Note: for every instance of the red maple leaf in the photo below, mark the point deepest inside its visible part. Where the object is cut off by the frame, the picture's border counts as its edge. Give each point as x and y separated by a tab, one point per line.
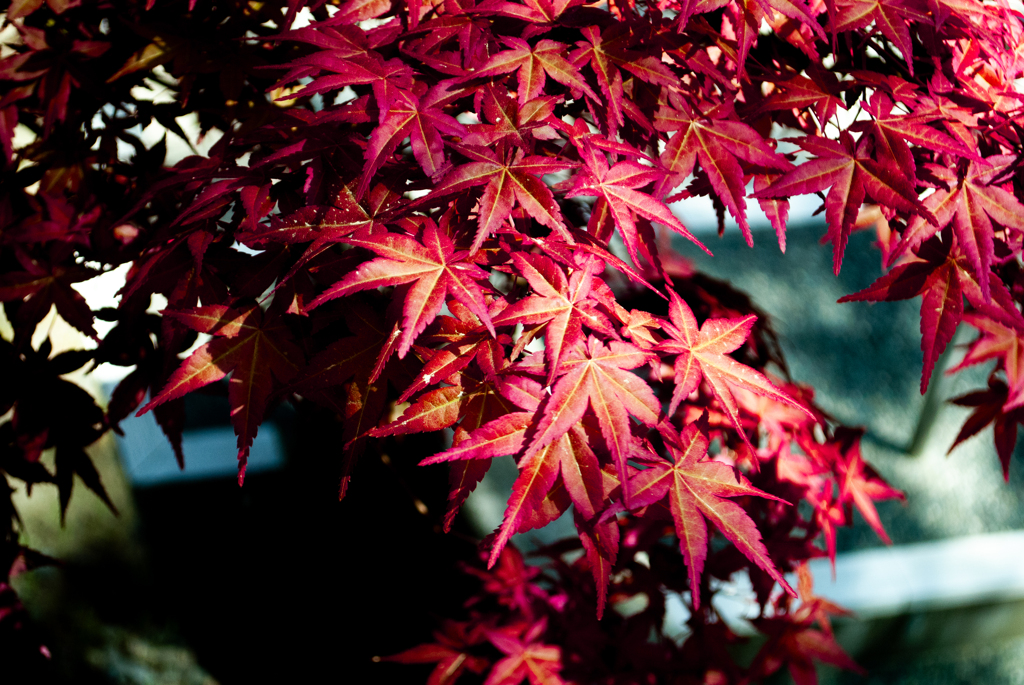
971	202
890	18
255	348
617	186
507	183
526	657
323	225
703	353
893	130
793	640
598	376
606	52
941	275
562	305
450	651
351	376
989	407
697	490
749	14
568	457
482	397
434	268
421	119
473	397
521	123
795	91
464	341
851	175
532	63
719	143
41	286
859	484
997	341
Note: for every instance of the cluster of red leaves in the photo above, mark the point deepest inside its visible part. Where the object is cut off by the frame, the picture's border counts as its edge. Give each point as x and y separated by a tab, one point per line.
408	196
536	624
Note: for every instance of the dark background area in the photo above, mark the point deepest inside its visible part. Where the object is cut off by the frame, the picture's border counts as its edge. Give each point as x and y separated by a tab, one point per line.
272	581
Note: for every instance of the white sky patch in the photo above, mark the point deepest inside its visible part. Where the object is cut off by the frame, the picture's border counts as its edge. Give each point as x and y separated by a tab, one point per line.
303	18
344	95
102	292
369	24
153	91
23	136
8	36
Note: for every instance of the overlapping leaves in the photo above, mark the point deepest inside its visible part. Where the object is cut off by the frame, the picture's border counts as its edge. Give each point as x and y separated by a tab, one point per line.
428	192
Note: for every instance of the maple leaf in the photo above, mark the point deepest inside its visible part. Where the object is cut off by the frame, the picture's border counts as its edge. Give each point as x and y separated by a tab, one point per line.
850	175
533	11
971	203
775	209
859	484
351	375
606	51
989	408
563	305
532	63
751	13
797	91
816	478
434	268
450	652
959	121
511	582
474	398
697	491
347	63
793	640
434	410
617	187
888	17
702	353
600	541
892	131
597	375
463	341
323	225
526	657
1001	342
942	277
363	354
422	120
42	286
255	348
65	224
49	411
638	326
522	123
568	456
481	398
718	143
506	184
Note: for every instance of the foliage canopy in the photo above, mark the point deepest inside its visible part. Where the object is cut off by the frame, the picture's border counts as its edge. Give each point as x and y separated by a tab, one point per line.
406	198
